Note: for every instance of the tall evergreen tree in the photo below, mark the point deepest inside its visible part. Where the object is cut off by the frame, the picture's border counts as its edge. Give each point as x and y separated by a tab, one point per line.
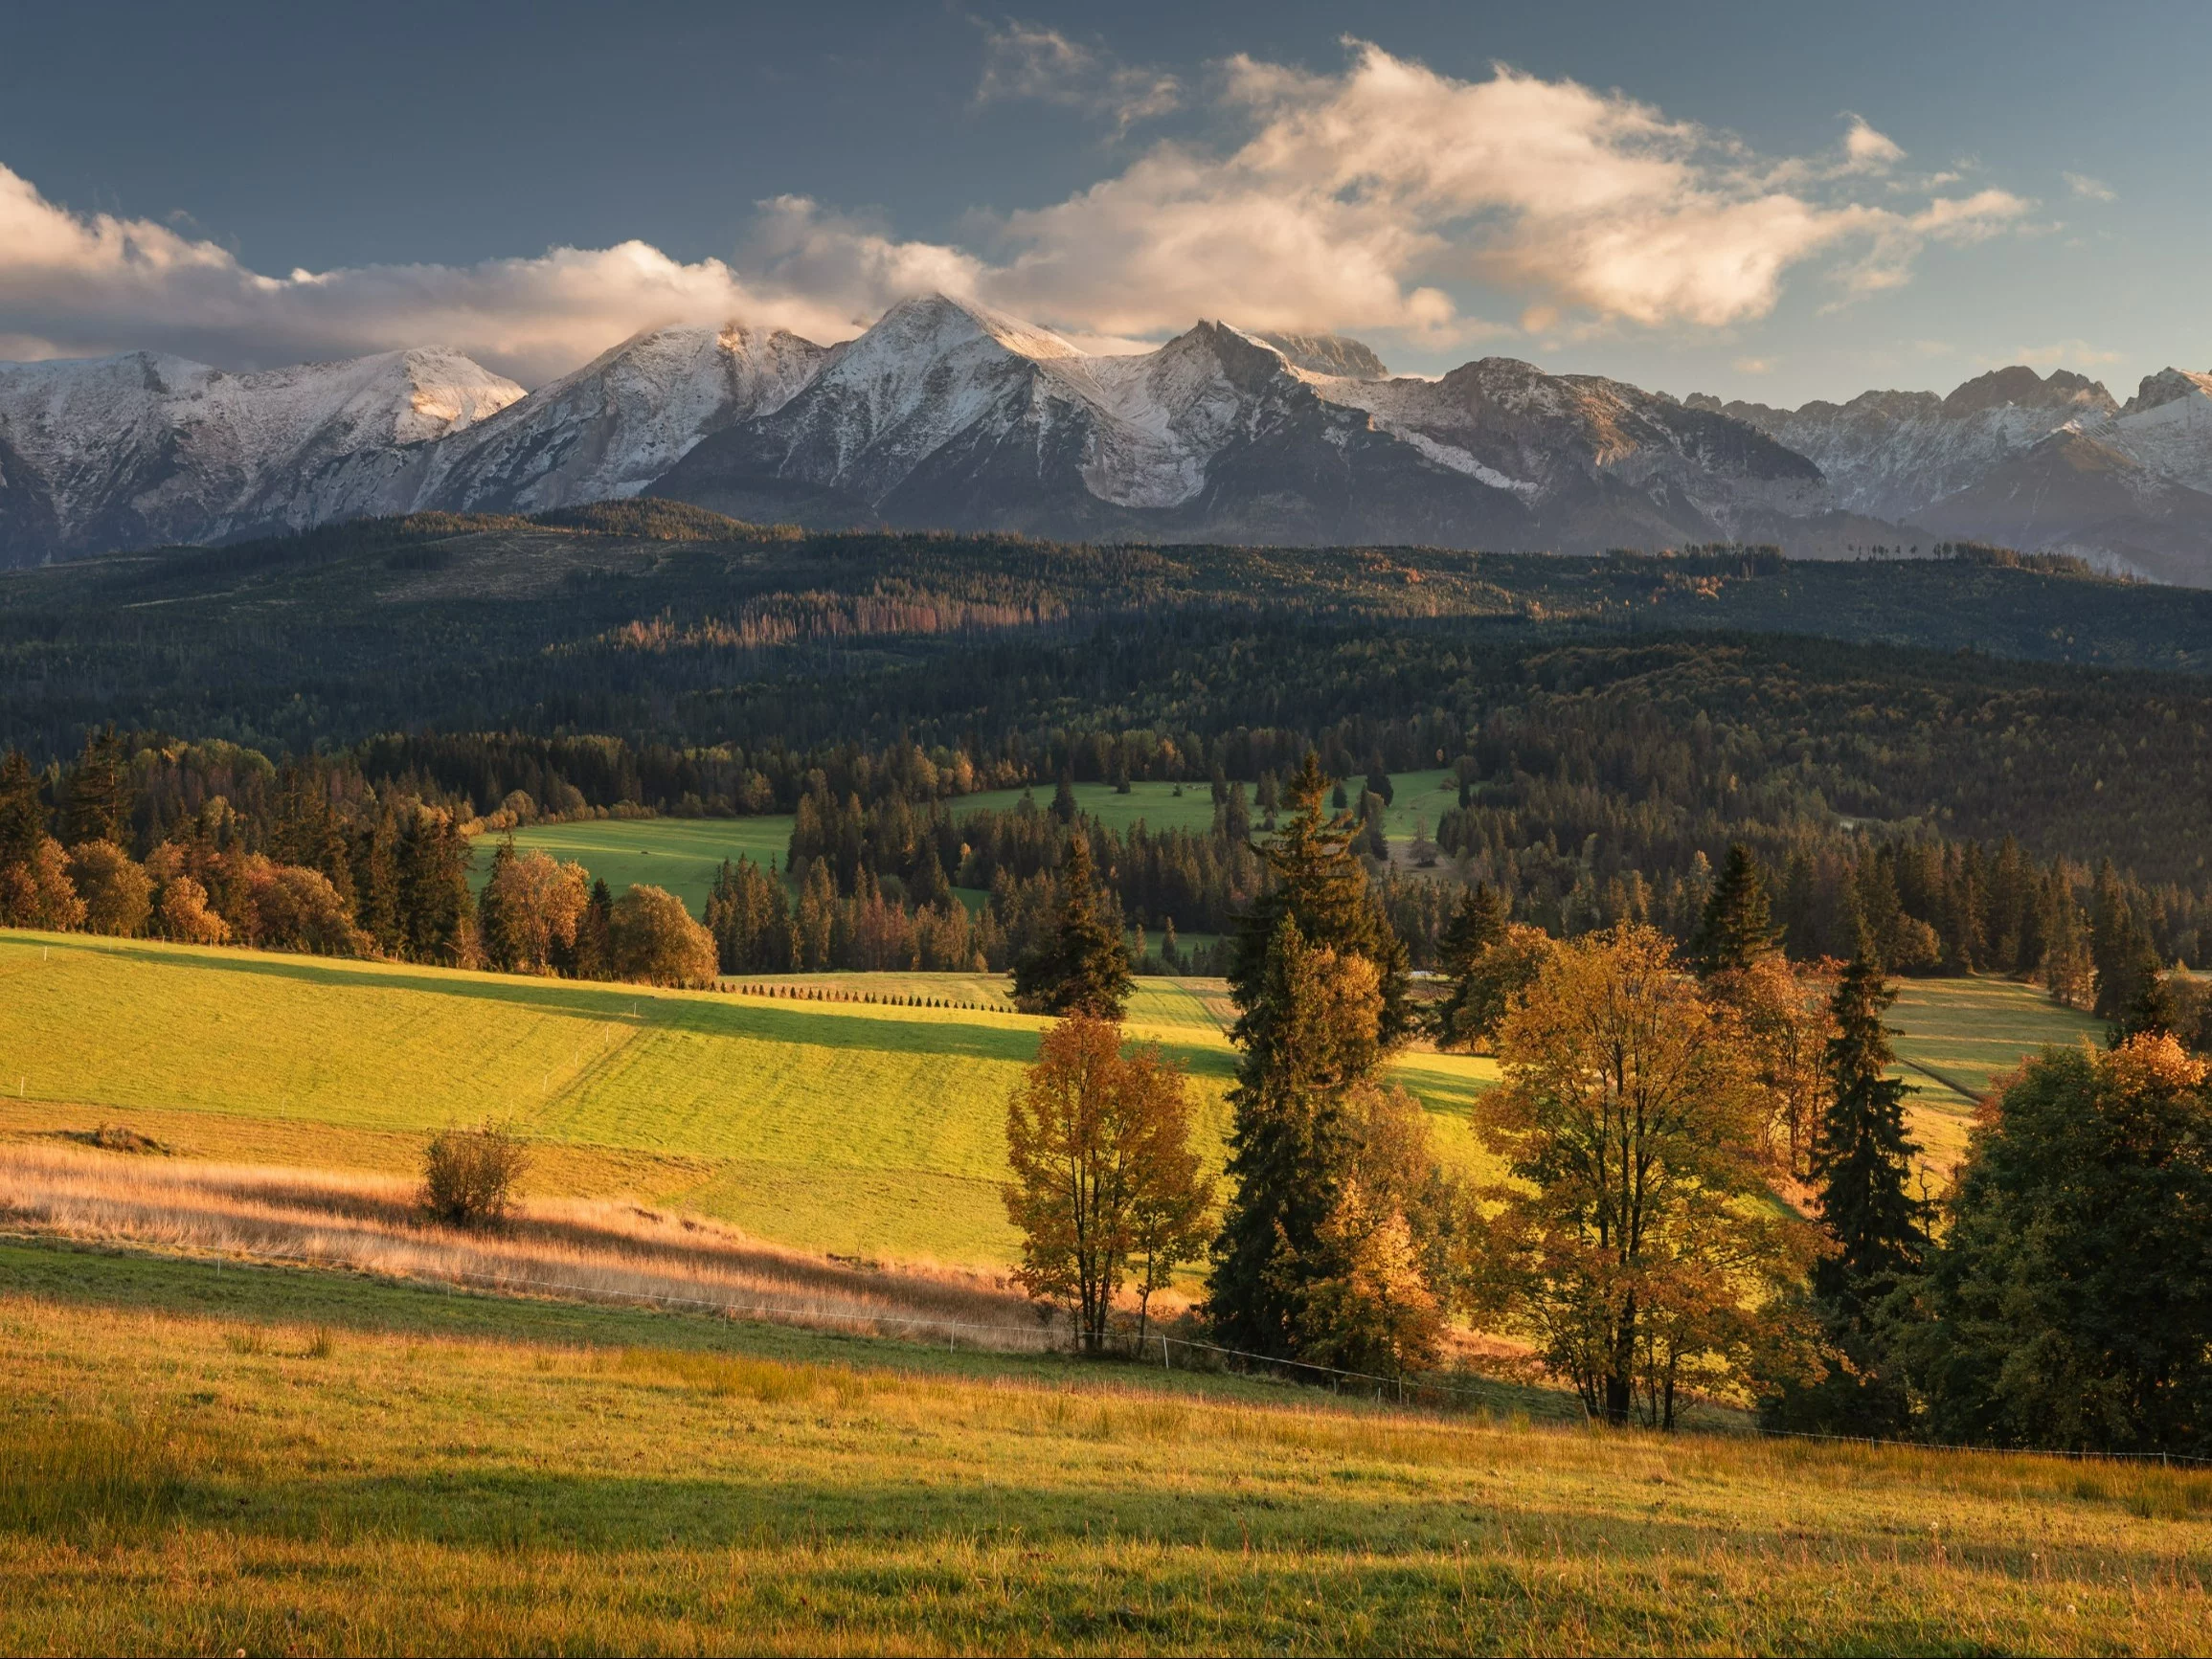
1476	924
99	796
2147	1009
1309	1044
22	816
1862	1160
1320	884
1738	927
1319	982
1083	967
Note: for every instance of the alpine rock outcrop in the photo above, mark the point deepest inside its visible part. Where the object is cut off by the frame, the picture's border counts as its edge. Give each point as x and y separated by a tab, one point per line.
946	415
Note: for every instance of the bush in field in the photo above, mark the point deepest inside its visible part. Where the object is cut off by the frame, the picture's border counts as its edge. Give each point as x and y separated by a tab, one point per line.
654	940
118	894
469	1174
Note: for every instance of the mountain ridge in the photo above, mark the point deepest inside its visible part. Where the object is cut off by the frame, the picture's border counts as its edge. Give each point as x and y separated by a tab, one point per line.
949	414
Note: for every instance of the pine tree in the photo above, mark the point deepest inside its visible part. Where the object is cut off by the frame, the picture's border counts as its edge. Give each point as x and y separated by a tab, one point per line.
22	816
1084	967
497	931
1862	1160
1476	924
1311	1041
1319	982
98	792
2148	1009
1738	927
1318	884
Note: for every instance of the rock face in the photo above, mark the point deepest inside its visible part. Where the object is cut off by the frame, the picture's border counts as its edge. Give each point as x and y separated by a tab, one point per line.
2037	462
946	415
145	448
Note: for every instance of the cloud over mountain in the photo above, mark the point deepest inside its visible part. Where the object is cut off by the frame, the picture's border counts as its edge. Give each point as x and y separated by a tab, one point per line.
1383	196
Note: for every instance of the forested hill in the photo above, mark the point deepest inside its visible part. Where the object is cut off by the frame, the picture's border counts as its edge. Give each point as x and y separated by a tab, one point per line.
661	622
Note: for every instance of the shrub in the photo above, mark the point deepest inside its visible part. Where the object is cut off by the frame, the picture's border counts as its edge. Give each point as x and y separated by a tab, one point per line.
469	1174
654	940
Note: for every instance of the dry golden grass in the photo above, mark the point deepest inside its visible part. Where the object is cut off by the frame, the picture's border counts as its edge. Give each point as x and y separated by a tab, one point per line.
172	1482
586	1249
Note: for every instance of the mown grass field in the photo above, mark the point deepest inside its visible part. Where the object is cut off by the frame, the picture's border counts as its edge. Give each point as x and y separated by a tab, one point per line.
1956	1035
282	1460
683	853
861	1128
679	854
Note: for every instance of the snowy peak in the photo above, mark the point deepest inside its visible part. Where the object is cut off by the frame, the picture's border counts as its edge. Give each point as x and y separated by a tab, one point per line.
2167	386
1329	354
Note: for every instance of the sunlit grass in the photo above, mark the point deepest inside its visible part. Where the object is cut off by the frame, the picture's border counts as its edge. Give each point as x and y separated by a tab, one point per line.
316	1481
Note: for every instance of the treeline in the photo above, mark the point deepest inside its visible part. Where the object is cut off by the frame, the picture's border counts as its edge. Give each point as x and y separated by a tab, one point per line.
313	858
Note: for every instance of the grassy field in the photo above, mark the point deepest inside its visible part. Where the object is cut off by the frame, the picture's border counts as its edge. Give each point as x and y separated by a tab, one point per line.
278	1460
1955	1034
683	853
679	854
859	1127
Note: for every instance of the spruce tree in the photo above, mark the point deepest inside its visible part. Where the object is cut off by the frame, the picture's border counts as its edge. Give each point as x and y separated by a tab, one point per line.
1319	882
22	816
1476	924
98	792
1738	927
1084	967
1291	1143
1862	1160
2148	1006
1319	982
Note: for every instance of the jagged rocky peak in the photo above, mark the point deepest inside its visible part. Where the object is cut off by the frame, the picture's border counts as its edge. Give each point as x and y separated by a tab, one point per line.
2167	386
1331	355
2022	388
938	323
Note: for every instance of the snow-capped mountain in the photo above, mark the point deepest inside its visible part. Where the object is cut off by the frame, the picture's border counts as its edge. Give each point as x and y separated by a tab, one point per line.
946	414
2038	462
145	448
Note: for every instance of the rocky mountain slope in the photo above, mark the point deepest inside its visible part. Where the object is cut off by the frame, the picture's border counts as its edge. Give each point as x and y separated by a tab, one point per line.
947	414
2038	462
145	448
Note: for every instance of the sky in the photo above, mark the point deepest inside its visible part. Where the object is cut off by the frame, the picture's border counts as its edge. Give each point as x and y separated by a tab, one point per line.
1776	201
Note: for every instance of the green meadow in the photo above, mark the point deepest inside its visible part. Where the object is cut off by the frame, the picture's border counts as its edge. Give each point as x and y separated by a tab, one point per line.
284	1460
862	1125
1954	1035
683	853
870	1128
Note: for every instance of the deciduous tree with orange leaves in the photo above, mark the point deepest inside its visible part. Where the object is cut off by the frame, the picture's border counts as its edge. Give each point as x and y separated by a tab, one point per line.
1098	1140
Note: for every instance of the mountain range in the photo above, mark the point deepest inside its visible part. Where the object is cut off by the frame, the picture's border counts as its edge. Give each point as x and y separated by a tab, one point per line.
947	414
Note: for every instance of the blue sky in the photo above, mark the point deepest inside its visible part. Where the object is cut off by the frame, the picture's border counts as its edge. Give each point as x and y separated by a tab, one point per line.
1775	201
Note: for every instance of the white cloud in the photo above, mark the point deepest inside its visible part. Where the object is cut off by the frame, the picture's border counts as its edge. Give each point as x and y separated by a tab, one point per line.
74	284
1023	60
2088	188
1754	366
1868	150
1386	197
2058	354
